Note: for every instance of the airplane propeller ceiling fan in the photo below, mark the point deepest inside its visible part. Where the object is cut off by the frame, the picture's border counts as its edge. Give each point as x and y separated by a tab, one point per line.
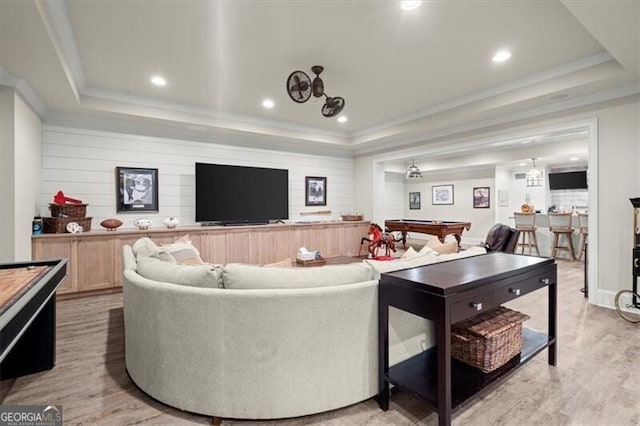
300	88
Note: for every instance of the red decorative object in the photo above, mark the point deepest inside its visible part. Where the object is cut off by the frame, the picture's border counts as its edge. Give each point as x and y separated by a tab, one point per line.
111	224
60	198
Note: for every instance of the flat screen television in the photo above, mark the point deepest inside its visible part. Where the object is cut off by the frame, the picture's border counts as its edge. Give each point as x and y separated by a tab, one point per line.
568	180
238	194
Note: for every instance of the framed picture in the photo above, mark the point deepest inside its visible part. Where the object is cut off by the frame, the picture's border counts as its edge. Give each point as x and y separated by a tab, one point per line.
481	197
414	201
503	198
136	189
315	191
442	194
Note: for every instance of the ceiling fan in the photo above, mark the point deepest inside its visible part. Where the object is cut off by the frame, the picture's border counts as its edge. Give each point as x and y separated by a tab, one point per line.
300	87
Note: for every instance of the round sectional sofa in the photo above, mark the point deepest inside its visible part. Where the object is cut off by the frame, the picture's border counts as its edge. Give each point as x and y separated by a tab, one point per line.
251	342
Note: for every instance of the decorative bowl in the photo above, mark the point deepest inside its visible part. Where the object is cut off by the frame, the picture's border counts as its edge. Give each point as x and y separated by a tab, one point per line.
111	224
171	222
143	223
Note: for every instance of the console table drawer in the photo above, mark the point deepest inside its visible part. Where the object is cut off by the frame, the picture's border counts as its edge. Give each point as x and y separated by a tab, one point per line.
482	302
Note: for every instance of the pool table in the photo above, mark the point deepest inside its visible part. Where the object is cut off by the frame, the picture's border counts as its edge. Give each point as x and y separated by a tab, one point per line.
432	227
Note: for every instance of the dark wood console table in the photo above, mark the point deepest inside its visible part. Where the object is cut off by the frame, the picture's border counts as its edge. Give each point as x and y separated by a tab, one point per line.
446	293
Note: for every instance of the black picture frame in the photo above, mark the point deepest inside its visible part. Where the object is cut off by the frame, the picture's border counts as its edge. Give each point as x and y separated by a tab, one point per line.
315	191
442	195
481	197
136	189
414	201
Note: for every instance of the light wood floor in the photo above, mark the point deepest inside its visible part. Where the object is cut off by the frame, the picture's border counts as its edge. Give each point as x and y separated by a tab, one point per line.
596	382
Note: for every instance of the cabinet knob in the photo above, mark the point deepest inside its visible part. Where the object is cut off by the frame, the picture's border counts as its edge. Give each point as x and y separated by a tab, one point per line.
515	291
478	306
545	281
635	262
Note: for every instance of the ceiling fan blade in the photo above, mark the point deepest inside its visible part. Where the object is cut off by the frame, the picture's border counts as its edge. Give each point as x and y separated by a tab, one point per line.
333	106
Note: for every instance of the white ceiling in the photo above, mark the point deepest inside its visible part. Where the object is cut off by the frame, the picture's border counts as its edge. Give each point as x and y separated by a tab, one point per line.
405	76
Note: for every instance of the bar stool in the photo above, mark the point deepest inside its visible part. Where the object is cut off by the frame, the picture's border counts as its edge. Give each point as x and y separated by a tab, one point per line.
560	224
526	224
583	219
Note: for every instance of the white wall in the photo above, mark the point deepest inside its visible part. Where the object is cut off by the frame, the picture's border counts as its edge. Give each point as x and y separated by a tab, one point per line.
617	161
394	196
28	176
20	162
482	219
7	181
82	164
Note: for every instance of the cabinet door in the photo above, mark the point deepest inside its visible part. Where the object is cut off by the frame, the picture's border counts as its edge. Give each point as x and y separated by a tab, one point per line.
239	246
213	246
96	262
350	237
58	248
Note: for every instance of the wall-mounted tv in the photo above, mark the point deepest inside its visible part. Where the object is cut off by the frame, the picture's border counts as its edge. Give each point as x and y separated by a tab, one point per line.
568	180
237	194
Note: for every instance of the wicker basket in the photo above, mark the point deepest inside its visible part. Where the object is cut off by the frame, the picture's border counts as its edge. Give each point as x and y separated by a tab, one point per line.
58	225
488	340
68	210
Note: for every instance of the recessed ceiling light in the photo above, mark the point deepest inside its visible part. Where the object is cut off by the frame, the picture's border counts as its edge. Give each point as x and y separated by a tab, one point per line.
522	164
501	56
158	81
268	103
573	159
410	5
342	119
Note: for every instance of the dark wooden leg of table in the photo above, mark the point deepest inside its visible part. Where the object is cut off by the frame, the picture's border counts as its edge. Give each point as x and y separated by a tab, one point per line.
441	236
443	341
404	238
553	320
383	353
458	239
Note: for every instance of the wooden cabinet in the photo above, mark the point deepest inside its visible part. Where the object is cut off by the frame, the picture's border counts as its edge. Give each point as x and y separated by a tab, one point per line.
95	258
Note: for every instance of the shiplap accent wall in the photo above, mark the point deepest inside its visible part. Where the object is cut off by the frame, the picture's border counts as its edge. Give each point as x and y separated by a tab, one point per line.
82	163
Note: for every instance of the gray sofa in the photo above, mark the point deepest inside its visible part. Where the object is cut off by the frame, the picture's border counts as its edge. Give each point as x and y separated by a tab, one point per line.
256	351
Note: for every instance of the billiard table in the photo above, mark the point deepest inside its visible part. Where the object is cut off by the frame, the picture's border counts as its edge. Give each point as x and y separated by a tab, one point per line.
432	227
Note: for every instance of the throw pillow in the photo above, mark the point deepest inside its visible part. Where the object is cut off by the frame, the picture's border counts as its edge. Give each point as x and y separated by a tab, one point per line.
409	253
284	263
428	250
450	247
181	252
144	247
190	275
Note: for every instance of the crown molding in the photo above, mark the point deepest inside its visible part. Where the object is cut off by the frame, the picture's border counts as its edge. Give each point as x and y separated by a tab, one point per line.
582	64
631	89
25	91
